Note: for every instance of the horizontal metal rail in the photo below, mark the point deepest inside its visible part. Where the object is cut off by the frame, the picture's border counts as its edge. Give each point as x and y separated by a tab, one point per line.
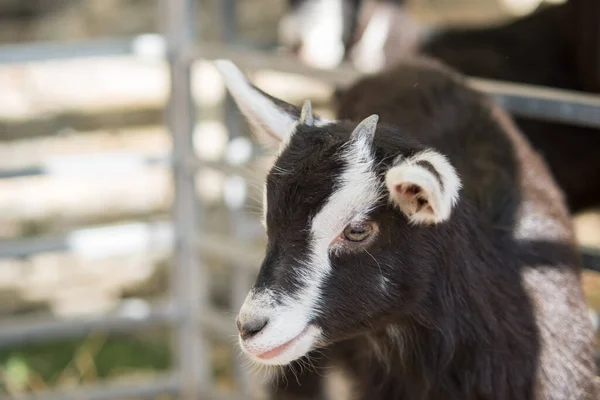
250	59
525	100
241	254
128	238
543	103
110	163
150	45
590	258
103	241
147	389
132	315
96	163
146	45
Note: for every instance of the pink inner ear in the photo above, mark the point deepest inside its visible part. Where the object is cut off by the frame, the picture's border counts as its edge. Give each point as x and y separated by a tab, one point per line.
408	189
415	196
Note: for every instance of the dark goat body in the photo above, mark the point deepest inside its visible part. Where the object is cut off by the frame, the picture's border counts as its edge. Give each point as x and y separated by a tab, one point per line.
537	50
486	306
558	46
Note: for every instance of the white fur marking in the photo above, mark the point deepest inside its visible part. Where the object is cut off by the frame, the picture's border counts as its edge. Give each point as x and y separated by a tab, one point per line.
358	192
441	198
322	37
259	110
368	54
285	323
537	223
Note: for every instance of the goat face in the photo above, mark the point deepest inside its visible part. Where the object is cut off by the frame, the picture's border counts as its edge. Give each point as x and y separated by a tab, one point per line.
344	213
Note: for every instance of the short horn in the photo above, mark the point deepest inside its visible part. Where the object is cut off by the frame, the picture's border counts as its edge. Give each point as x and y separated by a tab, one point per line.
366	127
306	116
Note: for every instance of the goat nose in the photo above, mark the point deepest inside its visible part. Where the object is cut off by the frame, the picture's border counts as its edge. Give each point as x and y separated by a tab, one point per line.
250	327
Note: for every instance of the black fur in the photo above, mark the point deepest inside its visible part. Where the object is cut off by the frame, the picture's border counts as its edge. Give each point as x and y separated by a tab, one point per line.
459	321
299	184
558	46
539	50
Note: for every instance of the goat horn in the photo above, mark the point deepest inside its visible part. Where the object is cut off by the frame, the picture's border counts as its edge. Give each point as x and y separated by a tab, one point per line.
366	127
306	116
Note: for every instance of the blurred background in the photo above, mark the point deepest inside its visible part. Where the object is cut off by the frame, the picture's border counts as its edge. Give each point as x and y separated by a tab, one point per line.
130	189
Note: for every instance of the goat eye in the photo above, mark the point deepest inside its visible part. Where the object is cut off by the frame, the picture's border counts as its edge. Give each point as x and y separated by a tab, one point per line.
358	232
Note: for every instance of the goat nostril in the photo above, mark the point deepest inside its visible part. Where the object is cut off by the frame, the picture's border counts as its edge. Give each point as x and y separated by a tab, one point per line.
252	327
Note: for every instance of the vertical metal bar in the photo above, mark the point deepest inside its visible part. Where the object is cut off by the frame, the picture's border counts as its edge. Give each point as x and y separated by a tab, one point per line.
239	228
229	22
237	222
189	279
242	281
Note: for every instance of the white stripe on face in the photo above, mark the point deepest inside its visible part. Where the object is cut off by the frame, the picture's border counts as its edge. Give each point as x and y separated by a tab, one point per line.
359	191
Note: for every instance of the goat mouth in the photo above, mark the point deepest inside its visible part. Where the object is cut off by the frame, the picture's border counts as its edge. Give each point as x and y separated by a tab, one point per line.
269	354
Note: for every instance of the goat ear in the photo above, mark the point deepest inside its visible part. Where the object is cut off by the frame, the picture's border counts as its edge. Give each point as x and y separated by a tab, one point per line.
424	187
272	120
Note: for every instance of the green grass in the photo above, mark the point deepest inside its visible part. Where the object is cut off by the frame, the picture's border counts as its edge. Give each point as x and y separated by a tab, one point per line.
80	361
69	363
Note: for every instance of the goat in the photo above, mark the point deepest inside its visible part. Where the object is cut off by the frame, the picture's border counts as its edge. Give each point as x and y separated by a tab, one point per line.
324	32
319	31
556	47
537	50
425	250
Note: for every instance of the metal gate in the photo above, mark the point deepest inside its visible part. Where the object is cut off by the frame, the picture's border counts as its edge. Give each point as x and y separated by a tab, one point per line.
187	311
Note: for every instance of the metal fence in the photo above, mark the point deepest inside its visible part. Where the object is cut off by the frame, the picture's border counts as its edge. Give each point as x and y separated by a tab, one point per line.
187	310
